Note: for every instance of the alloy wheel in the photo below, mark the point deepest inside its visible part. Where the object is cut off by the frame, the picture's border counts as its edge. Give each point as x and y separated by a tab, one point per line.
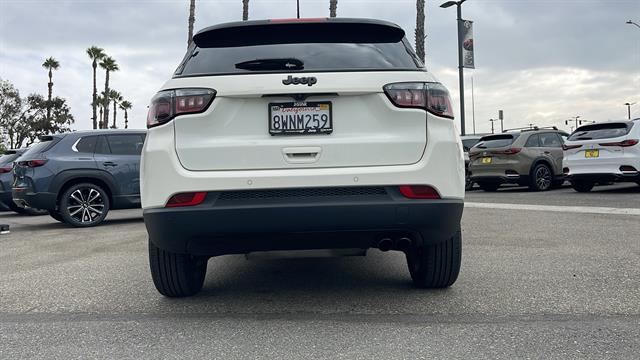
543	177
85	205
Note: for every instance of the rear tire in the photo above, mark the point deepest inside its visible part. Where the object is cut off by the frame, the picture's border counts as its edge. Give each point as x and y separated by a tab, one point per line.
489	186
468	185
437	265
541	178
176	275
582	186
84	205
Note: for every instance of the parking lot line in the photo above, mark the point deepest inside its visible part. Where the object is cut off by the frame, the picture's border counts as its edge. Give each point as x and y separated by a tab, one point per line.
563	209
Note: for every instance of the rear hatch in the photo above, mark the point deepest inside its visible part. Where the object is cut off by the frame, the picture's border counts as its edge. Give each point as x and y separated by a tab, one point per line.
25	165
494	150
299	94
599	141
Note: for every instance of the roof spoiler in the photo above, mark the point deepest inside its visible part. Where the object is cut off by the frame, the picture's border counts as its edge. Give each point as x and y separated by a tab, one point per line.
531	128
45	137
293	31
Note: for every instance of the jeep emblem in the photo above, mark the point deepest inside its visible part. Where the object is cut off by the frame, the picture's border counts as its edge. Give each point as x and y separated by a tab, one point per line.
300	80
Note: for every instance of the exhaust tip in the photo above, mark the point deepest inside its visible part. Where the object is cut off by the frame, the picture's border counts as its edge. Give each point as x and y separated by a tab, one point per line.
385	244
403	243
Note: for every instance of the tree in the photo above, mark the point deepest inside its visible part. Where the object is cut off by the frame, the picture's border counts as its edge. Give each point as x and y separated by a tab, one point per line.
50	64
126	106
95	54
100	104
23	120
333	8
116	97
192	19
420	29
245	10
109	65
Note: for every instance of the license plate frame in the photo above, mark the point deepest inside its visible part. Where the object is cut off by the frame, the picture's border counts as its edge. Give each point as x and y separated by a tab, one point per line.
592	153
486	160
325	128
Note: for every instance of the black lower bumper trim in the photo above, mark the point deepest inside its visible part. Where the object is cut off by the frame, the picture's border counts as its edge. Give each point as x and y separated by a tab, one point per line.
41	200
217	230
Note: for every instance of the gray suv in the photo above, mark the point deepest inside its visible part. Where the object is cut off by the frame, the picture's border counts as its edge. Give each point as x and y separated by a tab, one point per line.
78	177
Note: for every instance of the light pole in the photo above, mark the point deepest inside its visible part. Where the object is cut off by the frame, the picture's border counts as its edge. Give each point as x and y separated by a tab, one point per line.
460	69
633	23
492	120
298	7
629	109
575	118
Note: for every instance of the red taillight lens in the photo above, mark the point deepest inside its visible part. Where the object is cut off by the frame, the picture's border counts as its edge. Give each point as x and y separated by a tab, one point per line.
186	199
168	104
624	143
419	192
511	151
32	163
432	97
6	169
569	147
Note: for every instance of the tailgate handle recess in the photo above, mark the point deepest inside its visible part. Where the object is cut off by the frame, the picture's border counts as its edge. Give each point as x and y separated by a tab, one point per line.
301	155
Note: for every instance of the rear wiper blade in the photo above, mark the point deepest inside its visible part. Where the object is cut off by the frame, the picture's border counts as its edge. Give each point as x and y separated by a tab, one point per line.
271	64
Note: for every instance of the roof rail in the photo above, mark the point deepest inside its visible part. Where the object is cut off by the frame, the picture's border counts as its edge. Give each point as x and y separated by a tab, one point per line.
531	128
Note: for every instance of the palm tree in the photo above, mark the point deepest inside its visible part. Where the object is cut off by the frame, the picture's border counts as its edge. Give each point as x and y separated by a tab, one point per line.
50	64
100	103
245	10
95	54
109	65
192	19
116	97
126	105
333	8
420	29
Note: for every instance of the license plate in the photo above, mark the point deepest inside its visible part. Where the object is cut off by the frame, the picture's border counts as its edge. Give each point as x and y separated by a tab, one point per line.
300	118
591	153
486	160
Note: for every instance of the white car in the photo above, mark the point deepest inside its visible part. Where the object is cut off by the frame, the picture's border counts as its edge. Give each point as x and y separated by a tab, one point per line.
602	153
306	134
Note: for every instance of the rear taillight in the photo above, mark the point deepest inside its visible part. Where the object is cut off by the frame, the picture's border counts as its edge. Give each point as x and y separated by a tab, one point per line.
511	151
419	192
432	97
168	104
569	147
628	169
186	199
624	143
6	169
32	163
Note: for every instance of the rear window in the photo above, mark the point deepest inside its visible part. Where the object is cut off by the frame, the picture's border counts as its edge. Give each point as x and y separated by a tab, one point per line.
601	131
44	145
469	143
8	158
309	47
496	141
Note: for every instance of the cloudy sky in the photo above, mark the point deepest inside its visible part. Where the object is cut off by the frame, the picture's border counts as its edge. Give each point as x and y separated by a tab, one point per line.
541	61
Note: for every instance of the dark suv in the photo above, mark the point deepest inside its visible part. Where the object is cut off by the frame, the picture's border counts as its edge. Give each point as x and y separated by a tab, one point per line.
78	177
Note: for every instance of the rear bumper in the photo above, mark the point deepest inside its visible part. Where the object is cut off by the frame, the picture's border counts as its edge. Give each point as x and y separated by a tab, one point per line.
236	227
605	177
502	179
37	200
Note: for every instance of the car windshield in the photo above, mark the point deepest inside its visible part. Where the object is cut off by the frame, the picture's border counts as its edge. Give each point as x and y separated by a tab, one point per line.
496	141
601	131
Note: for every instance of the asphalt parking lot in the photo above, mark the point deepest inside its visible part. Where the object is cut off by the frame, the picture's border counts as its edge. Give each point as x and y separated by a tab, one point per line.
554	276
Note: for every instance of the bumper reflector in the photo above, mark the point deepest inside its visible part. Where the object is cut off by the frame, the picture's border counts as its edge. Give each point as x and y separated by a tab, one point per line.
186	199
419	192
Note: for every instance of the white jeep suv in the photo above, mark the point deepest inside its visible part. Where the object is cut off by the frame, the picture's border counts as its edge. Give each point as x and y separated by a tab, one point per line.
298	135
602	153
